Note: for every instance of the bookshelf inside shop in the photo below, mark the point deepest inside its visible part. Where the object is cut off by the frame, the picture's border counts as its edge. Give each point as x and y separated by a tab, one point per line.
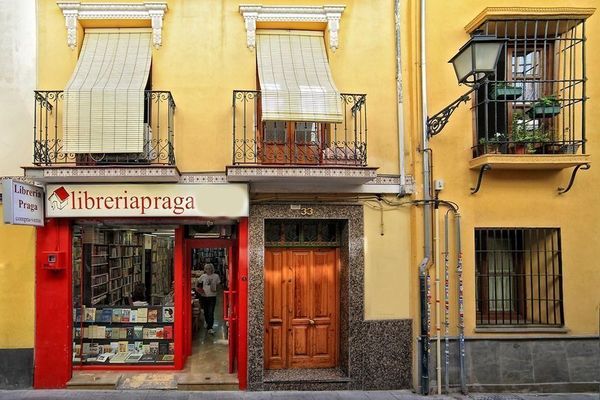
162	250
108	264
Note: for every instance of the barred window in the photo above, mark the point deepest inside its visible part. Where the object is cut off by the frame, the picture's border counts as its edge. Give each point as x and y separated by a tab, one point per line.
518	277
534	102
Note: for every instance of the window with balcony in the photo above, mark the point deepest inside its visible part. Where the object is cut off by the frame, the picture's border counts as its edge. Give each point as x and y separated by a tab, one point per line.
107	113
518	277
297	117
535	102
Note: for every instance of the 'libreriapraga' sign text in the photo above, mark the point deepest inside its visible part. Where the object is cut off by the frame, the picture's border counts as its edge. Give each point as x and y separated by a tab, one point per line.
140	200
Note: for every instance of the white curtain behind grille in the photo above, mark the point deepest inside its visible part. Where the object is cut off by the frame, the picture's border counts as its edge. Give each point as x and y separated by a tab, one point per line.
295	79
104	100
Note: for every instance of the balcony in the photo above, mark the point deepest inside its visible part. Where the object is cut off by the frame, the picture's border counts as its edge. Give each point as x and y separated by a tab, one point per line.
531	113
51	162
283	150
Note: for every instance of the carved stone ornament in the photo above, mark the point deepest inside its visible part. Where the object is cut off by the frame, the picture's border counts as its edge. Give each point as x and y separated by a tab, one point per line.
257	13
75	10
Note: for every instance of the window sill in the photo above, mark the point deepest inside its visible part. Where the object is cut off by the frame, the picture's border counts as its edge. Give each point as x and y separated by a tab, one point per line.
529	161
521	330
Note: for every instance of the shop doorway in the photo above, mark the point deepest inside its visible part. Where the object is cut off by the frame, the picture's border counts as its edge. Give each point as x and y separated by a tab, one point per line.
212	331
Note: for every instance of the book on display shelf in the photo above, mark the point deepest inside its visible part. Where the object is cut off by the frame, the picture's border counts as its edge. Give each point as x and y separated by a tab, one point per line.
153	315
147	358
142	315
168	314
106	315
134	358
104	357
119	358
133	316
89	314
168	332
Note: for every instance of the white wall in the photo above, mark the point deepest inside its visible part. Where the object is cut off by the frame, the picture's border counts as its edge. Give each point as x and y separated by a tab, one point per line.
17	82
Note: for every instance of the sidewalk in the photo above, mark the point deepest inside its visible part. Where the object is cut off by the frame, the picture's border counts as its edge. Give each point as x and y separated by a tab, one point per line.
340	395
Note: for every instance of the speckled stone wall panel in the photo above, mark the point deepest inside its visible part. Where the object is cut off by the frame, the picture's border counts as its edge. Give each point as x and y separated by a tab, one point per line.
387	354
344	325
363	344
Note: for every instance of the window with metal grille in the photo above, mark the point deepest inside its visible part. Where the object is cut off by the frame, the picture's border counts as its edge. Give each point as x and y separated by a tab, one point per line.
535	102
302	233
518	277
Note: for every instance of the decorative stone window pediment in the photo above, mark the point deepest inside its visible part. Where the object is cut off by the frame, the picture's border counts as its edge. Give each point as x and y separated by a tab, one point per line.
75	10
258	13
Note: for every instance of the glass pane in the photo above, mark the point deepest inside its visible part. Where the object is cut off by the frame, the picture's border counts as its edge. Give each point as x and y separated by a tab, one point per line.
309	231
500	268
292	231
272	231
526	65
275	131
307	133
328	232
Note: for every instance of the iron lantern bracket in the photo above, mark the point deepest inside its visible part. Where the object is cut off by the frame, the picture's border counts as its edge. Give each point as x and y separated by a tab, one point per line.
438	121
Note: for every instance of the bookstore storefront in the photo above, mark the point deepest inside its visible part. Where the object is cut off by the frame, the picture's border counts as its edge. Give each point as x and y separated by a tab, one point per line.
117	273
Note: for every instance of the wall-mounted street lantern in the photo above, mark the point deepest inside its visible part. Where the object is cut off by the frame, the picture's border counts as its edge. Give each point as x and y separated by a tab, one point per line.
473	64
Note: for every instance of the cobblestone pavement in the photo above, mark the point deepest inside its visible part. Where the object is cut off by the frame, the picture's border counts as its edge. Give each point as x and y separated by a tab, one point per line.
341	395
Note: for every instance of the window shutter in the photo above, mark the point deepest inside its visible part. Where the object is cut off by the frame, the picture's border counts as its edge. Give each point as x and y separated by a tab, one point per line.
104	100
295	79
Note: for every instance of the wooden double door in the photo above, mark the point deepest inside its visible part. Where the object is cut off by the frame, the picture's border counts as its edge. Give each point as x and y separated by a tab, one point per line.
301	307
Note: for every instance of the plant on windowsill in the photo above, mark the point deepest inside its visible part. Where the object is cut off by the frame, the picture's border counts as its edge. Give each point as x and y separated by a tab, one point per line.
504	91
496	144
544	107
527	136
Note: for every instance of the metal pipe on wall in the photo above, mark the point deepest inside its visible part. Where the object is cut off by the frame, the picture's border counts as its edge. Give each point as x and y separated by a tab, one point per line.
438	349
446	305
461	308
399	96
426	196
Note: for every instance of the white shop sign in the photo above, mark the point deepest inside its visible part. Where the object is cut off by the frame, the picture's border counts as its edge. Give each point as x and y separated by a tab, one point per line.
23	203
141	200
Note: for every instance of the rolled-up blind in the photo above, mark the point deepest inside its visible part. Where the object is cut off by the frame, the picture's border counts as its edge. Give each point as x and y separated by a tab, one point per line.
104	100
295	79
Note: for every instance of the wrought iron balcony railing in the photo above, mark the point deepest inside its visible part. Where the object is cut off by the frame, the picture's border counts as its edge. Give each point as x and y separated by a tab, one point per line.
159	134
257	142
535	101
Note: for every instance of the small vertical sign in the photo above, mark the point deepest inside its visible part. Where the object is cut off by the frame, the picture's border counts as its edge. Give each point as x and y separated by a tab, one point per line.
23	203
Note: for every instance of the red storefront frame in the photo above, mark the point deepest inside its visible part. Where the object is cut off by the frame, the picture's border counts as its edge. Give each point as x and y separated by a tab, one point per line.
54	317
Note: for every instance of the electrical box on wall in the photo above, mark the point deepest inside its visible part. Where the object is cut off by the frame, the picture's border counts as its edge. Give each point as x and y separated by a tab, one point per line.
54	260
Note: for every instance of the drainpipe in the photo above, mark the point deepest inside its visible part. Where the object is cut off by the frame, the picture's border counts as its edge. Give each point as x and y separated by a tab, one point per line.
424	342
426	197
461	308
438	319
399	97
446	306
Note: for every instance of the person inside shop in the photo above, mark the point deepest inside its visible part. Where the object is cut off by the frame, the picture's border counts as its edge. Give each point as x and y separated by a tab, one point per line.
207	287
138	297
169	299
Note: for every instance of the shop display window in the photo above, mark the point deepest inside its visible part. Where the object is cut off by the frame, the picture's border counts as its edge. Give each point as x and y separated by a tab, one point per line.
123	300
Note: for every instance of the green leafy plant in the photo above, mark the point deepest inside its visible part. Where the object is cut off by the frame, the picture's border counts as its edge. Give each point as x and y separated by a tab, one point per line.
528	132
548	101
496	138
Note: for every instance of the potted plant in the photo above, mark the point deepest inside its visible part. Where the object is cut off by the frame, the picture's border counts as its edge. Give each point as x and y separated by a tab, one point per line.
527	135
493	144
504	91
544	107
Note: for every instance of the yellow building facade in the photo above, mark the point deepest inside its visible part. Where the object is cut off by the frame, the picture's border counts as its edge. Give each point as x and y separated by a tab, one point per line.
355	170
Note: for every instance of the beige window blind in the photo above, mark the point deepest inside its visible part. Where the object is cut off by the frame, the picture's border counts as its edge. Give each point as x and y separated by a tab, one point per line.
104	100
295	79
